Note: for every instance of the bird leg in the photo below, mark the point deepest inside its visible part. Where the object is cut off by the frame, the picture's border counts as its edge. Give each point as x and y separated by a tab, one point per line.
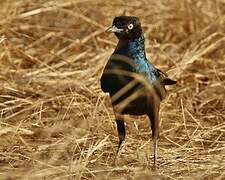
121	133
155	145
154	118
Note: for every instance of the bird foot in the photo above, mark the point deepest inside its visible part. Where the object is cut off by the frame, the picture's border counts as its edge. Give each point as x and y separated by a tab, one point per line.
118	153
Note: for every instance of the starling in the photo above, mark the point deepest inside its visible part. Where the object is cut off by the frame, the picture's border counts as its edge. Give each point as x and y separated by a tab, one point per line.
135	86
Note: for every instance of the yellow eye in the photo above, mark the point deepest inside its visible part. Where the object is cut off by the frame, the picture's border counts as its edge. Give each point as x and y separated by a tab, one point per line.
130	26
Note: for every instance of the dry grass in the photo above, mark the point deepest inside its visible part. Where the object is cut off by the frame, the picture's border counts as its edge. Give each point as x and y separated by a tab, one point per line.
57	124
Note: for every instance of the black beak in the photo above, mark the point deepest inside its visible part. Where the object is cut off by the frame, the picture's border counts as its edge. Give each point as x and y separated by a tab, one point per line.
114	29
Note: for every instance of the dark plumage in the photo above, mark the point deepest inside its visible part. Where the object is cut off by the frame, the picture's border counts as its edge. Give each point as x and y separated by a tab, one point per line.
135	86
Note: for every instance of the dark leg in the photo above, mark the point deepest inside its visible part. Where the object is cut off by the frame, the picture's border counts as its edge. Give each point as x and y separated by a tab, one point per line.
154	118
121	133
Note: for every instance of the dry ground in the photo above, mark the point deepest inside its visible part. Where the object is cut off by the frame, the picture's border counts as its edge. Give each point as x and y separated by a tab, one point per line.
57	124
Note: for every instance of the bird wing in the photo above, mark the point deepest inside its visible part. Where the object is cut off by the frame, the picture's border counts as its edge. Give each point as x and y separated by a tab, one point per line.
165	79
159	89
160	82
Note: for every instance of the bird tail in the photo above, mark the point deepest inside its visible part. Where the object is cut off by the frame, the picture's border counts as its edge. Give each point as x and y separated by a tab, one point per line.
168	81
165	79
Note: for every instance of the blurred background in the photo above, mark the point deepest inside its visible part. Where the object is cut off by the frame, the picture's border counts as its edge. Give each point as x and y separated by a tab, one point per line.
56	123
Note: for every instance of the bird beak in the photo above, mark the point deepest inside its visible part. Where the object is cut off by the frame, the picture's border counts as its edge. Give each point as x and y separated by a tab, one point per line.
114	29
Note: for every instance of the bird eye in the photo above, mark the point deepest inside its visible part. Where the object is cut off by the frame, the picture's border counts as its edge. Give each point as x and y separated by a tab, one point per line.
130	26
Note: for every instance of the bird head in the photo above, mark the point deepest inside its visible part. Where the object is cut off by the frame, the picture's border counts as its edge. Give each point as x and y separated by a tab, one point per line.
126	27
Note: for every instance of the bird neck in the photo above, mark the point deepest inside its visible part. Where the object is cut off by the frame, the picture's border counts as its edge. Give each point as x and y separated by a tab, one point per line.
134	48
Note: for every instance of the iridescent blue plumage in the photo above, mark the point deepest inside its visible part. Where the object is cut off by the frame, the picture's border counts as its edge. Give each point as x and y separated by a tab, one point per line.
136	50
129	94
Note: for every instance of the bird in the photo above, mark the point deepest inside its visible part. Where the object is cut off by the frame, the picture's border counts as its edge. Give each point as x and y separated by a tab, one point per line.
135	85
